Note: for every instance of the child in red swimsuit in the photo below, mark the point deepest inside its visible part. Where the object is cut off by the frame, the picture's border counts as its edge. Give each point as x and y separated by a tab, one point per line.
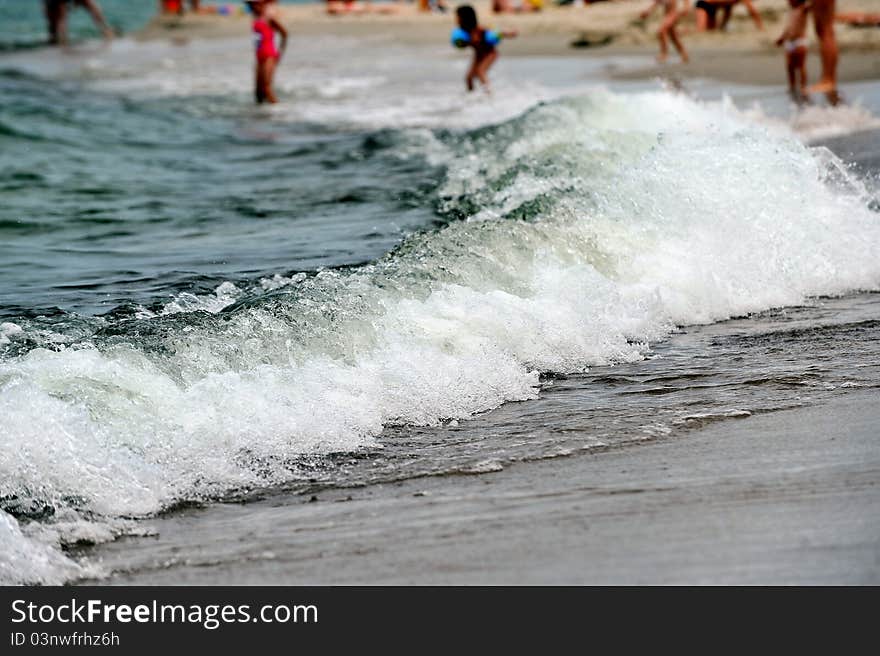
268	55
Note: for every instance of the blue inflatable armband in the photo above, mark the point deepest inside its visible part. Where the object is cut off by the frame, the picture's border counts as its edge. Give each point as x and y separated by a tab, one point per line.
460	38
491	37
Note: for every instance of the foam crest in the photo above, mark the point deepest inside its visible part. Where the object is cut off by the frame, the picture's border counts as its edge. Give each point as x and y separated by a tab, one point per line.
25	561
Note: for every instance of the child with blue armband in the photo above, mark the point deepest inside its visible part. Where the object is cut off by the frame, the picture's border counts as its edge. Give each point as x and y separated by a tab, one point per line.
469	33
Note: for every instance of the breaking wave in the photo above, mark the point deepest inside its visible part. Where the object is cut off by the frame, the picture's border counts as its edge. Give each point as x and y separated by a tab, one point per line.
576	235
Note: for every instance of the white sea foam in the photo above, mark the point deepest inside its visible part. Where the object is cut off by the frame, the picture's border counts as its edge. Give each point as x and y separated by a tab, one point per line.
224	295
8	331
24	560
279	282
816	122
599	224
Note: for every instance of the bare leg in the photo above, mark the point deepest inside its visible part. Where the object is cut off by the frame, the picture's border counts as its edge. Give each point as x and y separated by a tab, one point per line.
481	68
469	78
791	69
726	12
62	24
756	17
664	49
823	17
53	19
801	65
260	84
269	78
667	30
97	17
673	35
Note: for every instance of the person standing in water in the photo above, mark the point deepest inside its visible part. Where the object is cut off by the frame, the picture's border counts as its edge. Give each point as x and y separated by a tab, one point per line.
265	25
483	41
823	20
56	16
667	31
794	40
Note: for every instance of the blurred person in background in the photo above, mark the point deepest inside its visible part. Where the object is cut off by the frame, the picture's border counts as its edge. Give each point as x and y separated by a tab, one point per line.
56	17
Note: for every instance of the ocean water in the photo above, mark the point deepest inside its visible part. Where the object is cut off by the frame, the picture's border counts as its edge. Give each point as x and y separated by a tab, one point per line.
22	24
201	300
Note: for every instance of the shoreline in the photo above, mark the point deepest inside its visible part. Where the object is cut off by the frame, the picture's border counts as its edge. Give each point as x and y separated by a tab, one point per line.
706	507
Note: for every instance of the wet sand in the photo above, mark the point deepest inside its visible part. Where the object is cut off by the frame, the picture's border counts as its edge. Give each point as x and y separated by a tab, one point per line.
784	498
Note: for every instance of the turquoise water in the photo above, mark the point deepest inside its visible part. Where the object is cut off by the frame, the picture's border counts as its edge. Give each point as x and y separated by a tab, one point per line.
22	23
104	202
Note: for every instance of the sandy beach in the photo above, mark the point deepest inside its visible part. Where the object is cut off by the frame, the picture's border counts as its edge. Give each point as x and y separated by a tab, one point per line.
740	55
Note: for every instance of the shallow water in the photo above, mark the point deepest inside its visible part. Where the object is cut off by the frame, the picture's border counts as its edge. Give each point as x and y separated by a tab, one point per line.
22	24
201	300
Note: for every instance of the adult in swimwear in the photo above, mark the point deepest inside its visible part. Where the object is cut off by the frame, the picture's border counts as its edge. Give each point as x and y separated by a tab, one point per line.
56	16
707	13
